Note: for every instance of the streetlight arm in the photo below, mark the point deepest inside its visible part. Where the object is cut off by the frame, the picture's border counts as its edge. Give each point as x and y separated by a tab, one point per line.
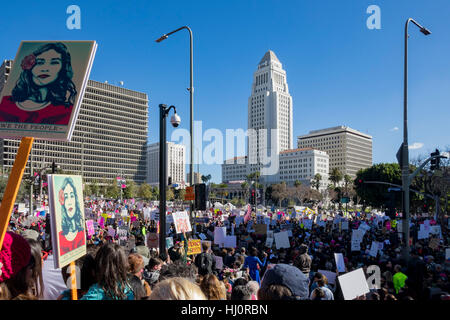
422	166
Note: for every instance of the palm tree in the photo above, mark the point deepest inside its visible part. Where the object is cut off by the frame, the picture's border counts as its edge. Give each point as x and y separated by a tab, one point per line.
316	181
335	176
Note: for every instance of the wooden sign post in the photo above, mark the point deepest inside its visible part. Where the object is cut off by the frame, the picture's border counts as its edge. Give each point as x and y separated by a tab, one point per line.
12	188
73	284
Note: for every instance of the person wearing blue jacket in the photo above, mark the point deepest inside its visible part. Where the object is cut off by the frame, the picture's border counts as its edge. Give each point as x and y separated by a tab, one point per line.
253	264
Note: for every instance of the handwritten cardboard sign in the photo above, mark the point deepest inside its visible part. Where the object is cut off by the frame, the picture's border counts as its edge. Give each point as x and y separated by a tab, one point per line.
194	247
353	284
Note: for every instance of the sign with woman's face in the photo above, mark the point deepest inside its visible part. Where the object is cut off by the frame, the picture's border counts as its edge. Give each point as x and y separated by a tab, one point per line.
45	87
68	221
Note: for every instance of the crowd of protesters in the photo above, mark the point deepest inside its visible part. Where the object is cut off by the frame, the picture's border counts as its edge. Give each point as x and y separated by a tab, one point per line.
133	270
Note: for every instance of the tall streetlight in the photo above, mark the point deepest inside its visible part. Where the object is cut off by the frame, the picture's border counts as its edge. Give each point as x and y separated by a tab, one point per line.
191	92
405	151
175	121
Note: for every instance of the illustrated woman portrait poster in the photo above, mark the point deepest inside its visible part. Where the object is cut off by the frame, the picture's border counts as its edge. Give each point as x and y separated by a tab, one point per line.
45	88
68	221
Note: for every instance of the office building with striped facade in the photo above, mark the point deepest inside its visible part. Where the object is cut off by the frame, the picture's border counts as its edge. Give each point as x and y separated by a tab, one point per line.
349	150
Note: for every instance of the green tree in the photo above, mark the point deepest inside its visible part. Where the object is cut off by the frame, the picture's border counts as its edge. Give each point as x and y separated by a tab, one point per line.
112	190
130	190
180	195
206	178
170	196
335	176
374	194
95	188
297	183
145	191
316	181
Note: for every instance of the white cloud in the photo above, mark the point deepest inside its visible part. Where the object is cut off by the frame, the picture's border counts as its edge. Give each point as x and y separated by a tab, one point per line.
394	129
416	145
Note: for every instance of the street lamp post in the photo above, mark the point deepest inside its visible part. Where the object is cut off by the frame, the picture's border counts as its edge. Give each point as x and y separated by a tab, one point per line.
191	93
163	112
405	153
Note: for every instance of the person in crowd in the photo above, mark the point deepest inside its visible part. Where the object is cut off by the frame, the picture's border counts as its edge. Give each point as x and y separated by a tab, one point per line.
16	268
86	267
241	292
399	278
178	269
177	288
205	262
321	282
253	264
152	270
303	260
284	282
111	265
254	287
136	270
38	283
229	258
213	288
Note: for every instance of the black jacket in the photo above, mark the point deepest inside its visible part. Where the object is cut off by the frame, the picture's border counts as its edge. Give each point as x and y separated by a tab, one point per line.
205	263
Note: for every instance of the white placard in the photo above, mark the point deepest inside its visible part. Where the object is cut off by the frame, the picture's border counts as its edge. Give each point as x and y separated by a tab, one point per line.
219	235
357	235
269	242
344	225
219	262
447	254
331	276
353	284
202	236
373	249
281	240
230	242
356	245
340	265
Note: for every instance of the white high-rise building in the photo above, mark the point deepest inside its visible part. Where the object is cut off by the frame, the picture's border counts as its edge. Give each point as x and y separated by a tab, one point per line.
269	108
303	165
175	163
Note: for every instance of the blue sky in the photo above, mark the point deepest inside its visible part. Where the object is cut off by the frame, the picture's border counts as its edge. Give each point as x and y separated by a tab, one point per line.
338	71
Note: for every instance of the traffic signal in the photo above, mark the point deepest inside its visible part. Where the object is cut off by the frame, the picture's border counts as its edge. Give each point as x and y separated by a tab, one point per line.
435	163
169	183
253	197
390	205
200	196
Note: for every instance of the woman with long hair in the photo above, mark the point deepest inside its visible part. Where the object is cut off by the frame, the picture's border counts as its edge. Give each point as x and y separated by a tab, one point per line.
44	92
36	275
72	235
111	266
213	288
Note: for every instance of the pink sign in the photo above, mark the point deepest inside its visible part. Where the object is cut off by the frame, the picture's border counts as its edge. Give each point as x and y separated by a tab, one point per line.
90	227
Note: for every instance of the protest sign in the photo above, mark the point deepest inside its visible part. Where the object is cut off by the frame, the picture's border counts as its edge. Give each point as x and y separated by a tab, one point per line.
281	240
344	225
219	262
230	242
447	253
153	240
434	243
353	284
111	232
260	229
181	220
340	265
307	223
357	235
90	227
122	233
219	235
55	116
269	242
331	276
67	211
373	249
202	236
194	247
169	242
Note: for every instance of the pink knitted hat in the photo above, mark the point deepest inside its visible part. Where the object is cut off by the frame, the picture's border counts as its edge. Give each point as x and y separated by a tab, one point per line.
15	254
